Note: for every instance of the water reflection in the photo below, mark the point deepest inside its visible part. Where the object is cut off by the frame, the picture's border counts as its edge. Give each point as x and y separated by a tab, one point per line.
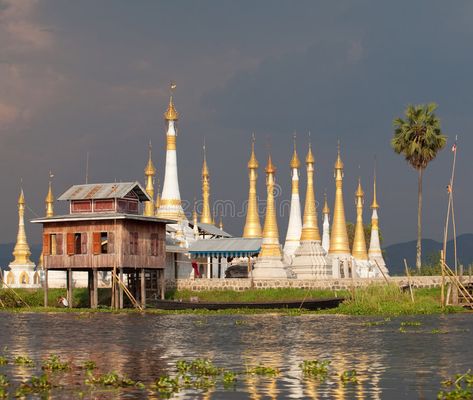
390	363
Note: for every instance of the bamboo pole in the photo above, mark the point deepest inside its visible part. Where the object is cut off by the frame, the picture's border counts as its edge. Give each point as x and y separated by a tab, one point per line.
409	280
442	287
128	293
382	272
15	293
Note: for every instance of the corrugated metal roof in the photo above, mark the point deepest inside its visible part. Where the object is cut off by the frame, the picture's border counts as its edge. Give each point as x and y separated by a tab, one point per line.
225	247
100	216
105	191
211	230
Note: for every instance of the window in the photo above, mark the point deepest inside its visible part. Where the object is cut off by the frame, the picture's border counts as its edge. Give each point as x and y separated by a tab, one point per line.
103	242
52	244
76	243
133	243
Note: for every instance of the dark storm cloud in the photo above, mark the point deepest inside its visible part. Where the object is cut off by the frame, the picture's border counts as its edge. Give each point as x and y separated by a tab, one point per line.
78	77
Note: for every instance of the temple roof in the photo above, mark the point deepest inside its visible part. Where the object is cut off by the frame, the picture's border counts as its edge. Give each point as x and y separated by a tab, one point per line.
226	247
105	191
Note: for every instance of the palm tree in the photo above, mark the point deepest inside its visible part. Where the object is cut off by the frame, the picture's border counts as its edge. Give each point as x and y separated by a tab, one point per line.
418	138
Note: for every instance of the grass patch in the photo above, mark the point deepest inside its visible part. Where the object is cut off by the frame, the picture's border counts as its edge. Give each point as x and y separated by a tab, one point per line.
389	300
254	295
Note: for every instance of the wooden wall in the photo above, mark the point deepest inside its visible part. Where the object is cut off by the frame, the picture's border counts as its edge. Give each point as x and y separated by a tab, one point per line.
121	256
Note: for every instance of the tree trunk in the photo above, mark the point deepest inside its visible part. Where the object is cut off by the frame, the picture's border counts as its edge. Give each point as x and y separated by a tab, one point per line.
419	221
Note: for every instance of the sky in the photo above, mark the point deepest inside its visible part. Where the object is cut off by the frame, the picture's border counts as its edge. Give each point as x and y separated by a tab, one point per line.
80	77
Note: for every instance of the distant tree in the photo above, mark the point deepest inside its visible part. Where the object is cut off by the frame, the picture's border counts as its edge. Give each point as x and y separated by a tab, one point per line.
418	138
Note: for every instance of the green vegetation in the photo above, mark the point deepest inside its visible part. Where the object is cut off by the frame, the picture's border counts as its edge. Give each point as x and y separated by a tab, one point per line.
389	300
36	384
54	363
24	360
349	377
262	370
254	295
315	368
418	138
458	388
112	379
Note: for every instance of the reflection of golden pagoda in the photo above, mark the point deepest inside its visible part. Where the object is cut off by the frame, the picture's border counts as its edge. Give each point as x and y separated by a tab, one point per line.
22	269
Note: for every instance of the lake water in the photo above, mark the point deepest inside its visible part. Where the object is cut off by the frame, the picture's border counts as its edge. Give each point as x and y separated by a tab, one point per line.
390	364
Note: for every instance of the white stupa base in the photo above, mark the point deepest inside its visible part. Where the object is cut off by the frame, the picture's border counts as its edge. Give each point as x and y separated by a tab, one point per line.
343	265
379	260
270	268
290	248
310	261
22	276
366	269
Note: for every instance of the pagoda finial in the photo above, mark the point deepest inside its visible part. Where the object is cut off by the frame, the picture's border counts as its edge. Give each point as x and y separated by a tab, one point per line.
220	225
375	204
310	230
206	216
295	162
359	242
252	227
150	172
326	209
339	235
50	198
171	114
21	252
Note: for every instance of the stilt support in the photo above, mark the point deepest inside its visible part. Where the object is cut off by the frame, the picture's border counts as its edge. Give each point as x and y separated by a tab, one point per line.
120	289
143	288
69	287
45	287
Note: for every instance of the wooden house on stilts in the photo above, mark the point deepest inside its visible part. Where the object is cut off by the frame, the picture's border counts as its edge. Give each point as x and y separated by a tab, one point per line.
105	231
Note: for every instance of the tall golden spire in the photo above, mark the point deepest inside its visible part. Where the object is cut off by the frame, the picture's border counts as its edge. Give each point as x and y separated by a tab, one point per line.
252	225
359	242
206	216
50	198
157	203
270	246
150	172
21	251
310	230
375	204
339	236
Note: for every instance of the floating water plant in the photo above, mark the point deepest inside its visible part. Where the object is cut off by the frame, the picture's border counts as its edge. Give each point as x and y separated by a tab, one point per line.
199	367
262	370
4	383
349	377
24	360
36	384
229	379
438	332
3	360
54	363
112	379
166	385
411	323
459	388
315	368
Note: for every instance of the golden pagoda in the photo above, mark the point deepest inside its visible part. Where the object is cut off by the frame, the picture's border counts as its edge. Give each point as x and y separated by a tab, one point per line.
359	242
150	173
310	230
50	199
21	251
252	225
326	225
339	236
206	216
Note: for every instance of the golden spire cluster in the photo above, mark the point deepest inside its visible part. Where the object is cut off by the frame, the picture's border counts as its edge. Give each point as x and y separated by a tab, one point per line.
359	242
171	114
310	230
21	252
150	173
270	246
326	209
339	236
252	227
206	217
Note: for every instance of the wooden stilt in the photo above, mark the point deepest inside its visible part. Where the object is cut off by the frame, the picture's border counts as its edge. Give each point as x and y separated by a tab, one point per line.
90	288
163	283
95	294
219	267
45	287
120	289
69	287
143	288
